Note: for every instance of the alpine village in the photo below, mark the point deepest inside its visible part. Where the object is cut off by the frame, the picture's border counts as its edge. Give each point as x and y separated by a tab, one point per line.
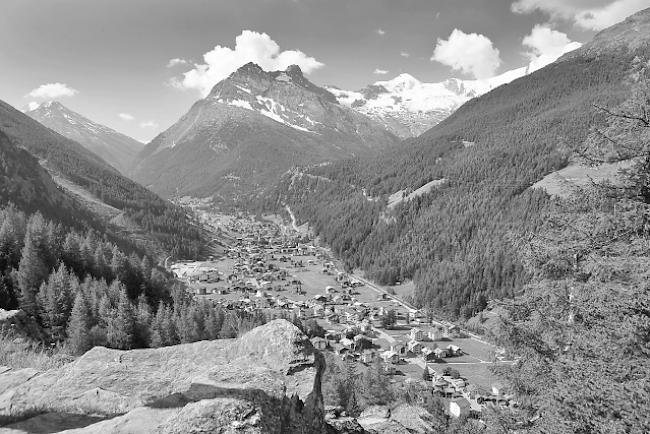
281	255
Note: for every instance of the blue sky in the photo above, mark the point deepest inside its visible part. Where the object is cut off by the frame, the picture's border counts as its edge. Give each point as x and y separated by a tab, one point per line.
104	58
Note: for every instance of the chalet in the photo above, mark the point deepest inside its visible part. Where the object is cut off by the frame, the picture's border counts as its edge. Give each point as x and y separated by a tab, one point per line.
436	334
414	347
459	408
454	350
390	357
417	334
398	348
319	343
428	354
388	369
347	343
458	383
440	353
368	356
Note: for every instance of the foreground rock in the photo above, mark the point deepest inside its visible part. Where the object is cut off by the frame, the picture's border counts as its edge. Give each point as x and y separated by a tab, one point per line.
268	381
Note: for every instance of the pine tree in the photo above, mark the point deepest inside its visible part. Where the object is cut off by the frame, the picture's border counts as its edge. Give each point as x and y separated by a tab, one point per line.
143	322
55	299
158	332
32	269
120	333
79	337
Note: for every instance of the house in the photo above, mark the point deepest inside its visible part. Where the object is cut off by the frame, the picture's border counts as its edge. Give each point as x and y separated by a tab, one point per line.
428	354
319	343
458	383
347	343
417	334
367	356
436	334
388	368
390	357
459	407
440	353
414	347
398	348
454	350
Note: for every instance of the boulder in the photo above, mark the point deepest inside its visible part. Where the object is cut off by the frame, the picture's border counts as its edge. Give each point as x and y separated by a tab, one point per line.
268	381
402	419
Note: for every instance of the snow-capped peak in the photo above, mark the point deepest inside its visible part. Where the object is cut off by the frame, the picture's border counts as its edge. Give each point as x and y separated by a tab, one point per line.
408	107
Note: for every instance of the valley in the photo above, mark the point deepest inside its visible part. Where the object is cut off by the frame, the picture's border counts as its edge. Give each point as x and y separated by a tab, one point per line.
206	229
270	266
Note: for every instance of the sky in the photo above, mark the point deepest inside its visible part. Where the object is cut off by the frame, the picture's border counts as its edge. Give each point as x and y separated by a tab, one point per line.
138	65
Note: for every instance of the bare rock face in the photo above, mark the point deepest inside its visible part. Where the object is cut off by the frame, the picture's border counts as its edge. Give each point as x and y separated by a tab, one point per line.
268	381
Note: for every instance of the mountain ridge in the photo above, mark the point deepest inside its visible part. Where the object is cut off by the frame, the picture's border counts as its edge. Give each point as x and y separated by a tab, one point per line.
117	149
255	125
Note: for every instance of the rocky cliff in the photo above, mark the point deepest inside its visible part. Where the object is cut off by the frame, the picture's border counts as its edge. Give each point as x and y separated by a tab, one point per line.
268	381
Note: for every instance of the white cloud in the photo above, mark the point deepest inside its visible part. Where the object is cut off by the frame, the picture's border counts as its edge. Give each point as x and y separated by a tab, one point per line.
380	71
176	61
404	54
148	124
381	32
546	46
250	46
588	14
126	116
52	91
470	53
33	105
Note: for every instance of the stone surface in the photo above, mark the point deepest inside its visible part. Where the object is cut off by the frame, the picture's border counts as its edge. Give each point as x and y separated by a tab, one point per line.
266	382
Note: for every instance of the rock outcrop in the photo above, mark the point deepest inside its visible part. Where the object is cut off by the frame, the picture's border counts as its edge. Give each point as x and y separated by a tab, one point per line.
268	381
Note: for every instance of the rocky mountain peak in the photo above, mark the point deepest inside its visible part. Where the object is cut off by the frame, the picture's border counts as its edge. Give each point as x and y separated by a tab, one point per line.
294	72
115	148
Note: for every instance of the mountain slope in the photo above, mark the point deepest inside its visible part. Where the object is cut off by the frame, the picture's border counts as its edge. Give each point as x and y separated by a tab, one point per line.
85	178
115	148
253	126
455	240
26	184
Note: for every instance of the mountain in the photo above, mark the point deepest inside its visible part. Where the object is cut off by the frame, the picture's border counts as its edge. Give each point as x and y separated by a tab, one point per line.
43	162
407	107
455	240
253	126
115	148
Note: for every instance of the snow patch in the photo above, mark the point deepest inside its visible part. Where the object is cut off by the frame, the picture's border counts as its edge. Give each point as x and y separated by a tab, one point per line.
241	103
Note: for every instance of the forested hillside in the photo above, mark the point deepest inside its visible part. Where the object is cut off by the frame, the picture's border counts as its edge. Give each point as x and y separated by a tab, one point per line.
456	242
169	228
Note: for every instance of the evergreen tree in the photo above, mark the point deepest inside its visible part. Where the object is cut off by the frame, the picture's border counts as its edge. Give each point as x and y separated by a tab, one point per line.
32	269
55	298
143	323
79	335
121	329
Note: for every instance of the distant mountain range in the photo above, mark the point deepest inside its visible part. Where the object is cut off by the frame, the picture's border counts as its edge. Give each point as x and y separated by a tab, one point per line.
407	107
115	148
253	126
